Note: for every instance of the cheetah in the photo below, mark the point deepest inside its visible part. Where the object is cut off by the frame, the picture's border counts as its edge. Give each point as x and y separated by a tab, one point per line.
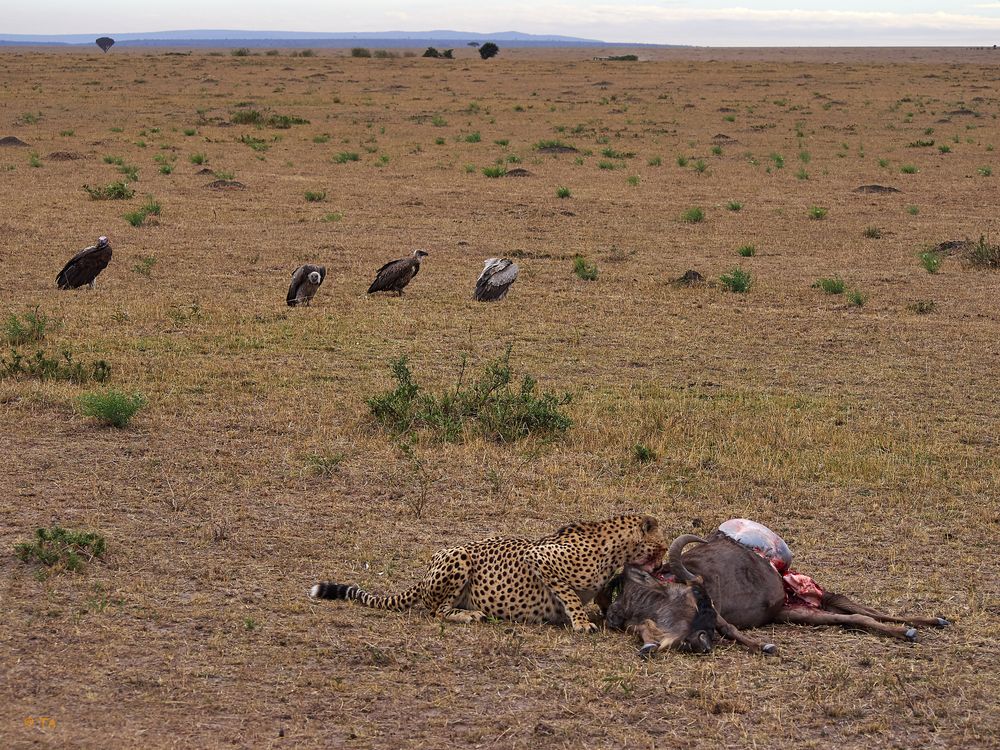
544	581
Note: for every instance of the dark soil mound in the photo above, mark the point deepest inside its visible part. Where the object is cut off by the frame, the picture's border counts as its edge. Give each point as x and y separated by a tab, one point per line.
10	140
226	185
727	109
689	278
952	247
64	156
963	111
557	150
875	189
517	173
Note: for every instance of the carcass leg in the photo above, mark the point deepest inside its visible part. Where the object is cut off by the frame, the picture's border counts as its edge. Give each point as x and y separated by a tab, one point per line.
735	634
841	603
809	616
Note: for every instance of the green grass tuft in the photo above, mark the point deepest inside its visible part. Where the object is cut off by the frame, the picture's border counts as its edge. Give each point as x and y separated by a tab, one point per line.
111	407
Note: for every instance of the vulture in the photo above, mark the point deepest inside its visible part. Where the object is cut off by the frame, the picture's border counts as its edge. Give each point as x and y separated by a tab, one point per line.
84	267
305	282
393	276
498	275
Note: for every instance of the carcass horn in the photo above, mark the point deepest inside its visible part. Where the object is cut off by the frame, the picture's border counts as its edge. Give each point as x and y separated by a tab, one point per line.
682	574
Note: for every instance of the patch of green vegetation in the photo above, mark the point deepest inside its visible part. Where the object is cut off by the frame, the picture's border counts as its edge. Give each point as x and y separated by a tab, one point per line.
734	206
737	280
984	254
495	171
563	192
30	328
360	52
747	251
693	215
131	172
682	161
818	213
633	180
700	166
931	261
583	269
111	407
923	306
908	169
315	196
488	406
855	298
41	366
873	233
834	285
116	191
198	158
61	549
473	137
345	156
244	117
144	265
654	161
643	454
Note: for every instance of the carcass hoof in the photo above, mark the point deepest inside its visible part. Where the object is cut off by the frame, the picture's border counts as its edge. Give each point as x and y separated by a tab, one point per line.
647	650
911	635
942	623
770	649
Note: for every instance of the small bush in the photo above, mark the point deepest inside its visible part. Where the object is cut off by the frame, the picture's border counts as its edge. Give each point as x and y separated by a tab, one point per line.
284	122
920	144
700	166
873	233
944	149
984	254
583	269
931	261
497	171
913	210
345	156
384	54
257	144
855	298
734	206
777	160
563	192
116	191
643	454
747	251
908	169
984	171
833	285
923	306
655	161
136	218
244	117
737	280
240	52
818	213
682	161
693	215
31	328
360	52
315	196
60	548
802	174
192	131
489	406
44	367
34	161
144	265
488	50
111	407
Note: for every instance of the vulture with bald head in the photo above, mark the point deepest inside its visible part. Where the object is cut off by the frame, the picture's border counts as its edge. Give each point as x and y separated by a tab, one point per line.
498	275
306	281
84	267
395	275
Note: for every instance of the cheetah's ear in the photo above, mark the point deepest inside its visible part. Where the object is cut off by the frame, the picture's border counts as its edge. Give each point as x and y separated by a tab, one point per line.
649	524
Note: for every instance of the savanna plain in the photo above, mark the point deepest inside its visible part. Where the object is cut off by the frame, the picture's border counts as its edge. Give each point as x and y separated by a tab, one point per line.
847	398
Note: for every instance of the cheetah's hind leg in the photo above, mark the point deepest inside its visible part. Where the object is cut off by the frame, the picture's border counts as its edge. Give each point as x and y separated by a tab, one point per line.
446	588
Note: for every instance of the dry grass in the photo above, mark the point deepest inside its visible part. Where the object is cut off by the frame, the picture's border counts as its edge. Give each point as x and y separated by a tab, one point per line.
866	436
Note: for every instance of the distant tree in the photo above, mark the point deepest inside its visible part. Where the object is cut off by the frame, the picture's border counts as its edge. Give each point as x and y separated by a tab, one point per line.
488	50
447	53
431	52
472	44
105	43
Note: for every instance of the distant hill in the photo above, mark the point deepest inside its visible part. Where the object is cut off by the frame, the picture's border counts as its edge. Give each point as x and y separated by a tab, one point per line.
242	38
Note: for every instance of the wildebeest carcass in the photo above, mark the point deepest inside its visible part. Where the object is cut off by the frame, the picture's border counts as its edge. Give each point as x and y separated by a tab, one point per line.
742	569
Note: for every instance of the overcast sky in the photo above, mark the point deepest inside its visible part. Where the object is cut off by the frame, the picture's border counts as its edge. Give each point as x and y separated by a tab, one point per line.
700	22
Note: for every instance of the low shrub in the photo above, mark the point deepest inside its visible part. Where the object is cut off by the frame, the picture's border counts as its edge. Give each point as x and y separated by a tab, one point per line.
489	406
984	254
111	407
42	366
27	329
116	191
833	285
737	280
60	548
583	269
